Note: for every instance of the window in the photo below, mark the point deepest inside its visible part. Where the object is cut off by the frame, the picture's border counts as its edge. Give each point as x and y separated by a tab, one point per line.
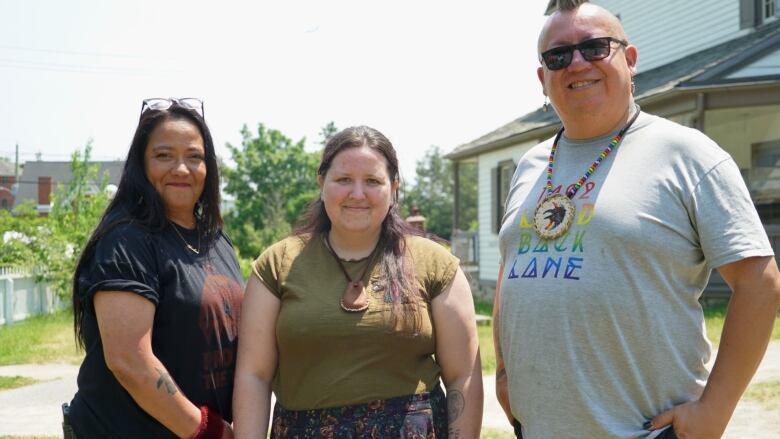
501	177
767	9
764	179
756	12
4	204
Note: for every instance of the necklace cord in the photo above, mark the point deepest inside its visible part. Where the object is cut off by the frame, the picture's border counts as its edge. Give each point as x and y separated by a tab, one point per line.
570	192
341	265
187	244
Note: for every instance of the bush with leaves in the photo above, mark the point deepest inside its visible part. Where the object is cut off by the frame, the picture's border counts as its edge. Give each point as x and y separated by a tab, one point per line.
53	244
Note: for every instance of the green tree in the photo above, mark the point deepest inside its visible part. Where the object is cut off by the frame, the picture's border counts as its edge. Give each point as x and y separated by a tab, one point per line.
76	210
53	244
327	132
272	182
432	192
467	194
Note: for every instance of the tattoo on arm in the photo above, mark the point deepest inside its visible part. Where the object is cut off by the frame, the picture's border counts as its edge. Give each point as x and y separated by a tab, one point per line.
166	380
453	433
455	405
501	373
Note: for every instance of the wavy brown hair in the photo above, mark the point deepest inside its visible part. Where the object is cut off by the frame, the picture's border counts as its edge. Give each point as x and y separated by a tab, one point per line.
396	274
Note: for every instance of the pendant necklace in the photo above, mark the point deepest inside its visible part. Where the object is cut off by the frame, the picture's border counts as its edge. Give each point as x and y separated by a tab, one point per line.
554	215
189	247
354	298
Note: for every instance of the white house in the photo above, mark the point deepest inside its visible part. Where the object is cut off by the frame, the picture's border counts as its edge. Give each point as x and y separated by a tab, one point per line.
711	65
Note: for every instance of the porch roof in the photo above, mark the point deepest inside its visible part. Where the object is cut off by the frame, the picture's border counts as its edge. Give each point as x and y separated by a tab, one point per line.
750	59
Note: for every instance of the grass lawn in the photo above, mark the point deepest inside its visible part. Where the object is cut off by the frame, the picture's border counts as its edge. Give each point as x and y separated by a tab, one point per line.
40	339
486	350
767	393
13	382
489	433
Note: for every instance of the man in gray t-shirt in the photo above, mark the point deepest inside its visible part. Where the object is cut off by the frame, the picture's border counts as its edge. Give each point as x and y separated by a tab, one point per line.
599	332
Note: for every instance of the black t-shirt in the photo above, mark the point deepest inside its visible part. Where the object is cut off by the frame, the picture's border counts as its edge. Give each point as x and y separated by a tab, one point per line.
194	333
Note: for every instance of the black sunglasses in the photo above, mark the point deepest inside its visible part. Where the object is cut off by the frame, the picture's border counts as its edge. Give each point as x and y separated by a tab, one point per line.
592	50
165	103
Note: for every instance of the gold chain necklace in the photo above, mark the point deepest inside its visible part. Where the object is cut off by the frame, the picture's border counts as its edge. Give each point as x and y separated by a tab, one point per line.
189	247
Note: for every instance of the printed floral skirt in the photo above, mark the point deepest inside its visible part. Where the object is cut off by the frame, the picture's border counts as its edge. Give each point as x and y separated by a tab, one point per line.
420	416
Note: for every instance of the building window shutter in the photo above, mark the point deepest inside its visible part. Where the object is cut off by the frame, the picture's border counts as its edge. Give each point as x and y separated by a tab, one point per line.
747	13
494	202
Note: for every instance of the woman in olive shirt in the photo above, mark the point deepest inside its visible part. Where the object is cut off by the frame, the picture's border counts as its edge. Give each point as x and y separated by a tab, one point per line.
354	318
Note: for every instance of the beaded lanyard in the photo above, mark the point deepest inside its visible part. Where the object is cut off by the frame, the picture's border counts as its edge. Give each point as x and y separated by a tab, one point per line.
554	215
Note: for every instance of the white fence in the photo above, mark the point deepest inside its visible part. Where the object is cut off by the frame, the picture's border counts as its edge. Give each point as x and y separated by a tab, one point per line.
22	297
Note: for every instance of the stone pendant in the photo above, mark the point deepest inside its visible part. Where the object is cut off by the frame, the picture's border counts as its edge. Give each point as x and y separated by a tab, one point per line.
355	298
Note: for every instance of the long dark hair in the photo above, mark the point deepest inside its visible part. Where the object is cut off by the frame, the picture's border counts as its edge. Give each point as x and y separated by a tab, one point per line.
137	201
397	276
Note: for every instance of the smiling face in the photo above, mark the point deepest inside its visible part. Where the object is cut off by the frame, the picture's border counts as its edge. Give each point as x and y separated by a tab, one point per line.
175	165
591	98
357	193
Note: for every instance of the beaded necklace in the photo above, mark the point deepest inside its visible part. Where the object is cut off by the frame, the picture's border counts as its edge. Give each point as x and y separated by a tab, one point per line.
554	215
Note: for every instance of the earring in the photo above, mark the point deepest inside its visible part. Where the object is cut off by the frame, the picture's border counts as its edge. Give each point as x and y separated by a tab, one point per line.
546	105
633	87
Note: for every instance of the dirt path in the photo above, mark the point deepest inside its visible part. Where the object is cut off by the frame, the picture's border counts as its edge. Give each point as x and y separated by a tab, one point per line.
35	410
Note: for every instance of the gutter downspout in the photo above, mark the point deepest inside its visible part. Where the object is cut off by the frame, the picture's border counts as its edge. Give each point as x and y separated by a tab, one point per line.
698	115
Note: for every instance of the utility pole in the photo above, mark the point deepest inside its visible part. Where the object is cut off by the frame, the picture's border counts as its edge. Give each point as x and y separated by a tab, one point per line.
16	166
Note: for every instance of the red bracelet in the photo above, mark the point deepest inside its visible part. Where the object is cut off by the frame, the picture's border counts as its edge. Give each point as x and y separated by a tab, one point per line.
211	425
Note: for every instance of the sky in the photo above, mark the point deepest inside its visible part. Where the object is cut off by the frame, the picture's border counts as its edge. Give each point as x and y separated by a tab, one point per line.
422	72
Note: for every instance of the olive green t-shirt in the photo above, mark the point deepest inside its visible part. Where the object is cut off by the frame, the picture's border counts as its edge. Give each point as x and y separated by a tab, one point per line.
332	358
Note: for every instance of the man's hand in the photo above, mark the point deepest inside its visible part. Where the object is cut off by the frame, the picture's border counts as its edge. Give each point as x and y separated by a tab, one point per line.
693	420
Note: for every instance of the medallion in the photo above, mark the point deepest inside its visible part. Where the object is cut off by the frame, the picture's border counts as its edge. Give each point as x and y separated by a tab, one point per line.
355	298
553	216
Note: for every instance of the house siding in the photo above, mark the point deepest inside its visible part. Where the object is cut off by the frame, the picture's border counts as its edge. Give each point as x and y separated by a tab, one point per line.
488	241
667	30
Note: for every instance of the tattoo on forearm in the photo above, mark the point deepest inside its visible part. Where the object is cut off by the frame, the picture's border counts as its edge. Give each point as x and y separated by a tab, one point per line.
166	380
500	373
455	405
453	433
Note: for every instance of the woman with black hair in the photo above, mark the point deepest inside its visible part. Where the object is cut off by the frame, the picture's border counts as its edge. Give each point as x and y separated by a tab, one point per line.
355	318
157	291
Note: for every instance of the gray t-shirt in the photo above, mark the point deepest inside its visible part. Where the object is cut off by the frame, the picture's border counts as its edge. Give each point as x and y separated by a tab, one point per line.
601	329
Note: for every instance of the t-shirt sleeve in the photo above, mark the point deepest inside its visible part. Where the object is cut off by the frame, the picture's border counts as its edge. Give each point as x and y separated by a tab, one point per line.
124	260
268	266
729	226
435	265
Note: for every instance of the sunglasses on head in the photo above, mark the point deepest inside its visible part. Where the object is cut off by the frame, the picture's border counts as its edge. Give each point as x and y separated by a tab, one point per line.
592	50
194	104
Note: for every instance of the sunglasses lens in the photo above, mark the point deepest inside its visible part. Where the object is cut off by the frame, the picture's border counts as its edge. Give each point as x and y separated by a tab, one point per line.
157	104
557	59
593	50
191	103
